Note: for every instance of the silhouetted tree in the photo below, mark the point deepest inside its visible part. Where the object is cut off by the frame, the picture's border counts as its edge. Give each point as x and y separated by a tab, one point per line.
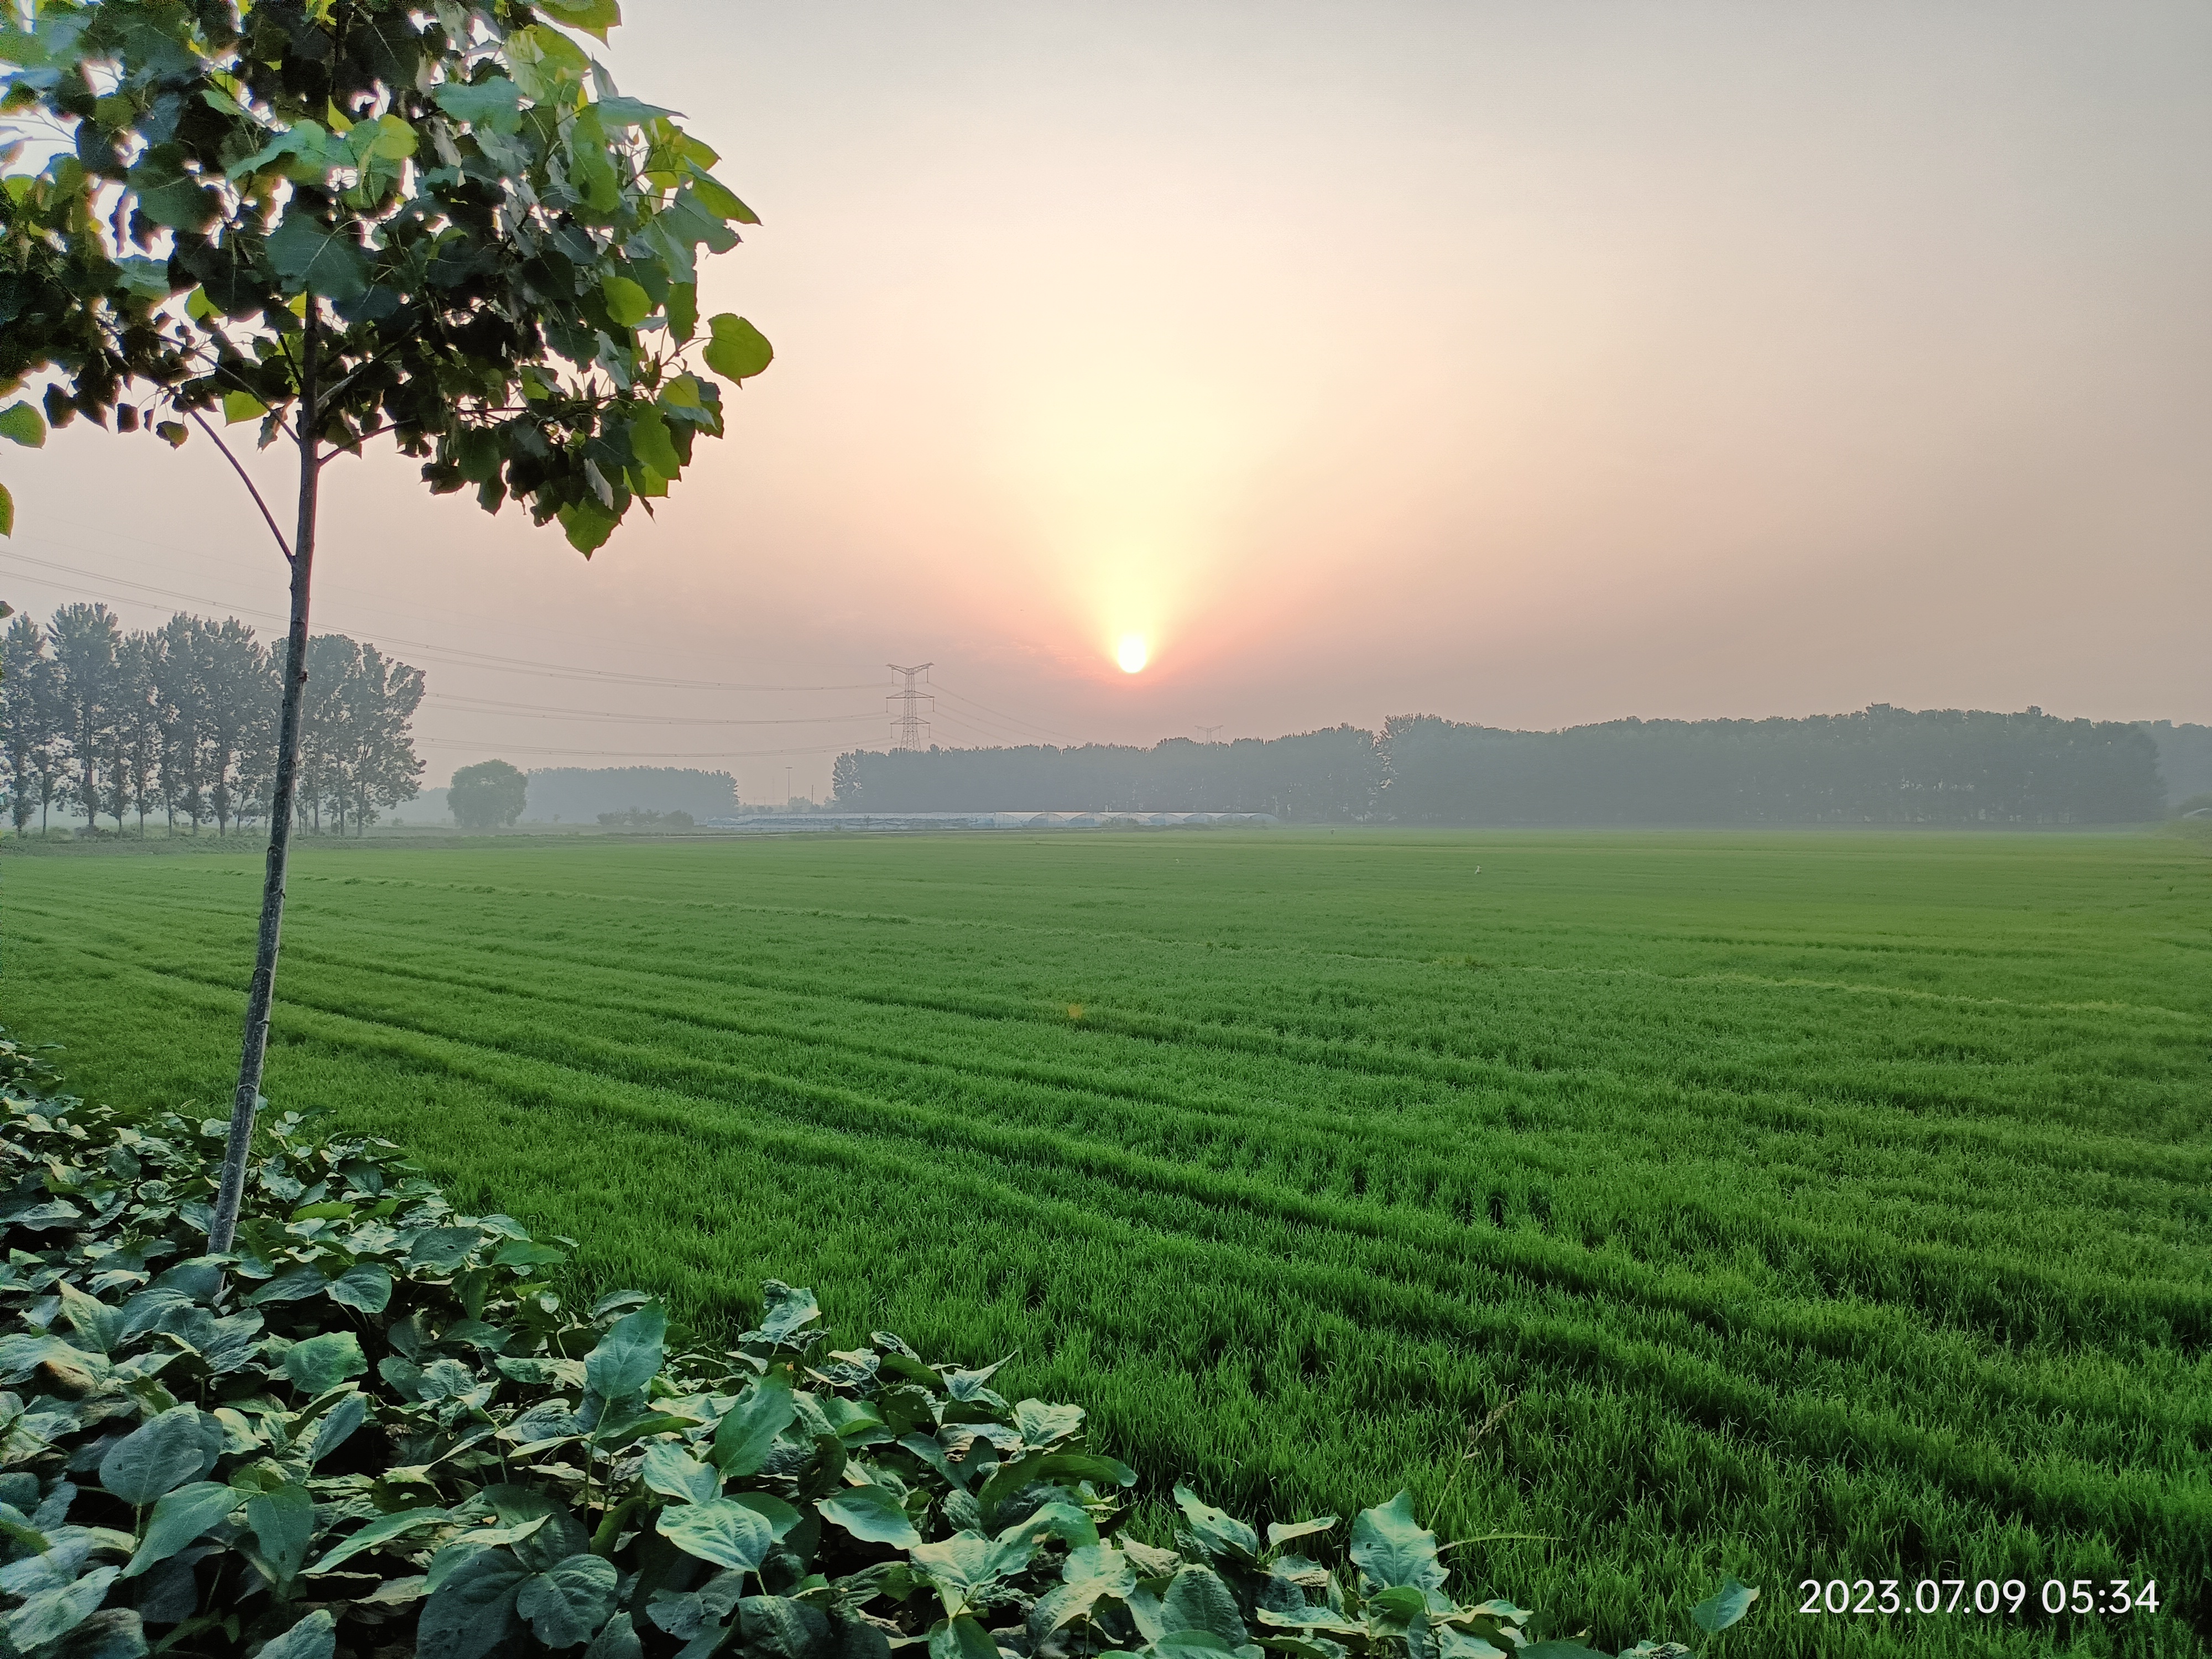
486	796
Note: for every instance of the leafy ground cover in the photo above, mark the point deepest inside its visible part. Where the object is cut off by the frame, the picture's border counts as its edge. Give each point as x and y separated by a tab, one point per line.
1789	1208
374	1426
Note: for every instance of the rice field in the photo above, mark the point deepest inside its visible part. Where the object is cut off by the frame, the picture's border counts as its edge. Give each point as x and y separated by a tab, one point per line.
1806	1206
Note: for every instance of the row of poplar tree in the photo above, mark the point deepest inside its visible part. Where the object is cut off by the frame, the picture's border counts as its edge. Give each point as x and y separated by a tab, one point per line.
179	723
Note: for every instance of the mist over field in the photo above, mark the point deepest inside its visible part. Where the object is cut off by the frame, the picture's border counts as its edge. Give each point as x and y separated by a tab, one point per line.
1283	829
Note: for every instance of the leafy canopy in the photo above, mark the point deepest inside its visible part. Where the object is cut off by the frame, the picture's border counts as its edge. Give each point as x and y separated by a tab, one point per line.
494	251
488	795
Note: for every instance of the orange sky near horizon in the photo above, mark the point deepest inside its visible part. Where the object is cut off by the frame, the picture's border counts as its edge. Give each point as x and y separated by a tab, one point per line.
1522	363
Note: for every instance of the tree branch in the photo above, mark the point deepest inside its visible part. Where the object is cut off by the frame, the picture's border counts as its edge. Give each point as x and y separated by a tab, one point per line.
283	546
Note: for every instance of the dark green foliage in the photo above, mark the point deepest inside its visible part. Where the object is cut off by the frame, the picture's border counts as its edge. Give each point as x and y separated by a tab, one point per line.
637	818
486	796
494	253
1881	766
378	1421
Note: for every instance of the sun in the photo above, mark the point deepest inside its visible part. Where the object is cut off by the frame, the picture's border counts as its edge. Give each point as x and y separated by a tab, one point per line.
1130	653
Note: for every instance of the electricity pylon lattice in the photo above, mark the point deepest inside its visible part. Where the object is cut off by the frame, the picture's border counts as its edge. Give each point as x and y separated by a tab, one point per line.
908	730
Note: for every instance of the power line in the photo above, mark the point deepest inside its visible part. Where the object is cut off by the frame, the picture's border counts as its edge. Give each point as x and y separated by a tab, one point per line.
528	711
1013	720
626	754
460	656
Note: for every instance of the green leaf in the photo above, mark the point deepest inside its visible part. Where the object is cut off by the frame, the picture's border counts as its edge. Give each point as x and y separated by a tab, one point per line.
1281	1533
673	1472
683	311
1190	1644
718	198
336	1426
284	1522
321	1363
443	1249
748	1430
179	1517
1095	1572
781	1518
1730	1604
317	258
780	1628
495	104
649	442
1041	1424
472	1610
627	303
56	1611
569	1601
23	424
1401	1604
170	196
522	1252
737	350
1198	1600
364	1285
1218	1532
395	139
315	1637
7	512
726	1532
628	1356
593	17
383	1527
615	111
962	1638
243	406
1391	1547
1558	1649
618	1640
156	1457
871	1515
586	525
110	1633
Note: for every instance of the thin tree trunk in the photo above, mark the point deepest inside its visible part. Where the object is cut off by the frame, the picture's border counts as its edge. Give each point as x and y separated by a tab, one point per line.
246	1103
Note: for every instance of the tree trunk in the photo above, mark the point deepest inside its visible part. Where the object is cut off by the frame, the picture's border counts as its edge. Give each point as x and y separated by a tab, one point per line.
246	1103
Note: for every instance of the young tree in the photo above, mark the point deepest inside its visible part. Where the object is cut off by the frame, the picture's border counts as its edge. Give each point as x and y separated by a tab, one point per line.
333	663
180	717
134	764
26	737
84	639
488	795
349	218
383	770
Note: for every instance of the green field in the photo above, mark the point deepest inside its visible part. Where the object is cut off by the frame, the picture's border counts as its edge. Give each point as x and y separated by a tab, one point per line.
1800	1205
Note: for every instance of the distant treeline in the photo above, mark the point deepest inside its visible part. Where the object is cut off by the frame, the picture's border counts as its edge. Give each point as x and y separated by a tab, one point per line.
576	794
180	722
1882	765
2185	758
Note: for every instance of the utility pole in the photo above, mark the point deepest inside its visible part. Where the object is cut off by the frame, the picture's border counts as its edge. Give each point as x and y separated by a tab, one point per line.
786	788
1207	731
909	732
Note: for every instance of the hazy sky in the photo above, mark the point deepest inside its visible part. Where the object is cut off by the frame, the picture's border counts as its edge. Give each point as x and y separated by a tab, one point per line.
1529	364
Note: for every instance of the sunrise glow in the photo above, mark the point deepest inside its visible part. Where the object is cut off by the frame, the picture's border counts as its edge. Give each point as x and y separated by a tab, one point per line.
1130	653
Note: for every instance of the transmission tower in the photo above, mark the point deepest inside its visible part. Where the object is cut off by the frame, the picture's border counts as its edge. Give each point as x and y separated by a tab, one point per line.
908	730
1207	731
